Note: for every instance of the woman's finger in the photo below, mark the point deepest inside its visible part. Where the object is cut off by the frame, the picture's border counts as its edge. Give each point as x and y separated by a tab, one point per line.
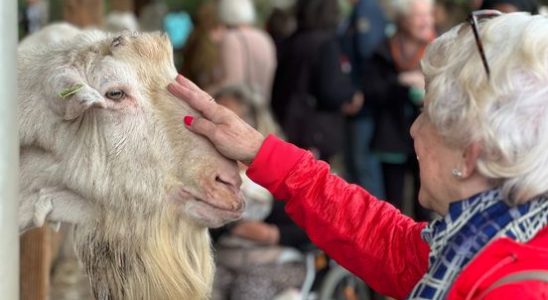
184	81
192	86
201	102
201	126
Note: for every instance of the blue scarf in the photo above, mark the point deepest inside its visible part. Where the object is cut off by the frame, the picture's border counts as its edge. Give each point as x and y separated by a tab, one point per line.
467	228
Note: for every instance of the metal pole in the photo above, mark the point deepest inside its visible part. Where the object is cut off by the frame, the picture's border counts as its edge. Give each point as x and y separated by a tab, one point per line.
9	153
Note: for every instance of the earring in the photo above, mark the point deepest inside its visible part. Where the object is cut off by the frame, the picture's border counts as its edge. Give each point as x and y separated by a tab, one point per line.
457	173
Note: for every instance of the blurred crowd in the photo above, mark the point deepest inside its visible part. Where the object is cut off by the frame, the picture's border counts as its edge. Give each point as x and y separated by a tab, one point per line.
345	86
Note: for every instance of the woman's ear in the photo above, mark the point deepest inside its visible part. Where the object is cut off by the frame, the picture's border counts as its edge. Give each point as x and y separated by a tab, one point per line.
470	157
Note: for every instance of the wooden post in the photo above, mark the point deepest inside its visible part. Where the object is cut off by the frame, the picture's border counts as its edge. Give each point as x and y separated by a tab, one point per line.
83	13
35	264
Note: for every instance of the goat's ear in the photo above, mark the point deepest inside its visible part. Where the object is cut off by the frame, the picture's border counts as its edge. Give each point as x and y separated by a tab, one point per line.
80	97
74	95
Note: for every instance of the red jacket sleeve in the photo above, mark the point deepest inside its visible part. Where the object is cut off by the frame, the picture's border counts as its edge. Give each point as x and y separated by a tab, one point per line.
367	236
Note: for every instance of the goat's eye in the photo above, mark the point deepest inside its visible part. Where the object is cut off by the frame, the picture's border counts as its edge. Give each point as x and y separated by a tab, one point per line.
115	94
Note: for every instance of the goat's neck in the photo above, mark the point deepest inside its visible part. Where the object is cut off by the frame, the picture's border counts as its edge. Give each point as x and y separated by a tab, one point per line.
155	257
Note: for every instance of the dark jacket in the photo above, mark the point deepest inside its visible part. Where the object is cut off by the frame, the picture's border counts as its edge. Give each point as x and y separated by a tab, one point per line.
362	33
309	90
291	235
390	103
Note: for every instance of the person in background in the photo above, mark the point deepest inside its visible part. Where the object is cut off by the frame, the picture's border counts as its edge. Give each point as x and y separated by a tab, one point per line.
280	25
152	15
311	89
530	6
394	86
118	21
360	35
257	257
247	53
249	106
481	143
201	56
178	26
35	15
448	13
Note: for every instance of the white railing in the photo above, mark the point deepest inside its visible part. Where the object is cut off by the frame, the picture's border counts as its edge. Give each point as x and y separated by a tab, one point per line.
9	151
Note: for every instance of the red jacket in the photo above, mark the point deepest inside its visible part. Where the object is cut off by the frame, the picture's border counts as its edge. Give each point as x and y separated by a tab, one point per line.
376	241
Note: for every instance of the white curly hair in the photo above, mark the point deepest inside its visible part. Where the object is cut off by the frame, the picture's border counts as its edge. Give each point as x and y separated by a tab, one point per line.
507	114
236	12
402	8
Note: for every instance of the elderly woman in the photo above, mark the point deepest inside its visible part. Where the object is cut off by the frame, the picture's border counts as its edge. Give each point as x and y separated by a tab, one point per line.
393	88
481	142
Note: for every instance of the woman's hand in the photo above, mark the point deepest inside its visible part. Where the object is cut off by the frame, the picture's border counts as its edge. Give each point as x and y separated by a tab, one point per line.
354	106
412	79
232	136
257	231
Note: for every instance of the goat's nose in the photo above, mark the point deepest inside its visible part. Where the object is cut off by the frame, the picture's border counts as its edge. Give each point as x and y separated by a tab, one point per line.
223	186
230	179
227	174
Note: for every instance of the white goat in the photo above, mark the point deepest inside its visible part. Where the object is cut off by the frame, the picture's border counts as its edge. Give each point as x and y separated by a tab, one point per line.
102	146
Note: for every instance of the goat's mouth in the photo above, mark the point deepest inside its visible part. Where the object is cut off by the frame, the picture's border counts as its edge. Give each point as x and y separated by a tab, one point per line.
211	210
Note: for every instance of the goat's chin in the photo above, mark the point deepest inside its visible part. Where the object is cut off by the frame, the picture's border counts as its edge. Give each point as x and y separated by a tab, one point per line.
148	256
206	215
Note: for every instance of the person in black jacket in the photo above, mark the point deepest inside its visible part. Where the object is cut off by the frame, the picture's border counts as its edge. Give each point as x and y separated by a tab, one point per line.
311	90
360	34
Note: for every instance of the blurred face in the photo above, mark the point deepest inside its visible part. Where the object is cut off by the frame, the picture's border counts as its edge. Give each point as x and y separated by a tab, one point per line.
419	23
234	105
436	161
237	106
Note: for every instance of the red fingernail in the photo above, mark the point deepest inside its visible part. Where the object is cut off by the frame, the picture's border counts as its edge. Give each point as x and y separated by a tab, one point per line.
188	120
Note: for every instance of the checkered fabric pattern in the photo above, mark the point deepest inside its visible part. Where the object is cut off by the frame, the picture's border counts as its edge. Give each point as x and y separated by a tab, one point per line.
468	227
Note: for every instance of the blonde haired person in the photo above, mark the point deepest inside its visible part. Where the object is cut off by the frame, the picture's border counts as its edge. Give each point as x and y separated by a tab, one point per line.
481	143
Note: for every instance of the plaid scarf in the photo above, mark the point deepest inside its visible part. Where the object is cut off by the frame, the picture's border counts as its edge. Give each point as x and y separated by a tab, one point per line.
468	227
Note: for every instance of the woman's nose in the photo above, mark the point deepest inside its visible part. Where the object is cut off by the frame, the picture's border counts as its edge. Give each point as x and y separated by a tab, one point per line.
413	129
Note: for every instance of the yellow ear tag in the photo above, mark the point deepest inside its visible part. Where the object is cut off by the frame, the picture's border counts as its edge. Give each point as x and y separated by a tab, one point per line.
71	90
